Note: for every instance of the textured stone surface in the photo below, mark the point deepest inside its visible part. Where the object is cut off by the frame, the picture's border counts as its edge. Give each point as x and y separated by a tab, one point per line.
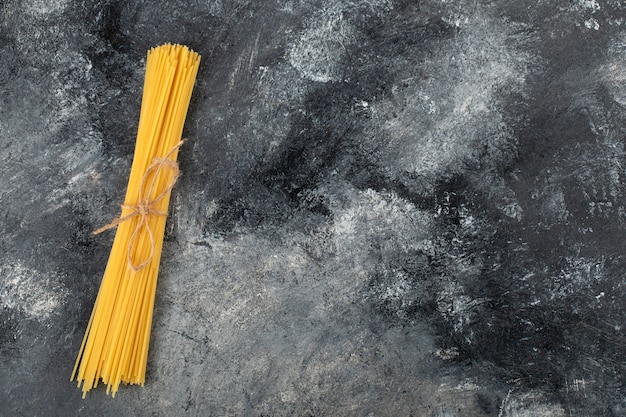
388	208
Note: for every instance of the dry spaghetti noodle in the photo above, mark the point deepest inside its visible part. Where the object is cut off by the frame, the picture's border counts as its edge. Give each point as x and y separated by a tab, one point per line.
115	346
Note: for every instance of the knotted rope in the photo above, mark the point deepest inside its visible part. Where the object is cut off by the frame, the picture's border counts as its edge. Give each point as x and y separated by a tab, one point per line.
145	207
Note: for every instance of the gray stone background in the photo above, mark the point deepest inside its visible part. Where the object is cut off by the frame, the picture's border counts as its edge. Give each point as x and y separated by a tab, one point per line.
388	208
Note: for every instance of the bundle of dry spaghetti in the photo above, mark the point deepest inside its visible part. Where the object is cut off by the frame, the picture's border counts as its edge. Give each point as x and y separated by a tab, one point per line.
115	346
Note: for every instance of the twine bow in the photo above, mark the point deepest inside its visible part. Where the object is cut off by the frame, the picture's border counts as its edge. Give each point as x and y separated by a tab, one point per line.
145	207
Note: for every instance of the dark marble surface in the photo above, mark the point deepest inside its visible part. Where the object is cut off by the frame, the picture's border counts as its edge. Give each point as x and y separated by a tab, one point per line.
388	208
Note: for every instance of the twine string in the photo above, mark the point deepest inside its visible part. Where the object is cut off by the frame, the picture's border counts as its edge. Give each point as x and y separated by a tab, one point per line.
145	207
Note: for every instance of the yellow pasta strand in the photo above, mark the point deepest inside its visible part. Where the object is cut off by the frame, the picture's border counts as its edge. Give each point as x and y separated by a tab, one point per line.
115	346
